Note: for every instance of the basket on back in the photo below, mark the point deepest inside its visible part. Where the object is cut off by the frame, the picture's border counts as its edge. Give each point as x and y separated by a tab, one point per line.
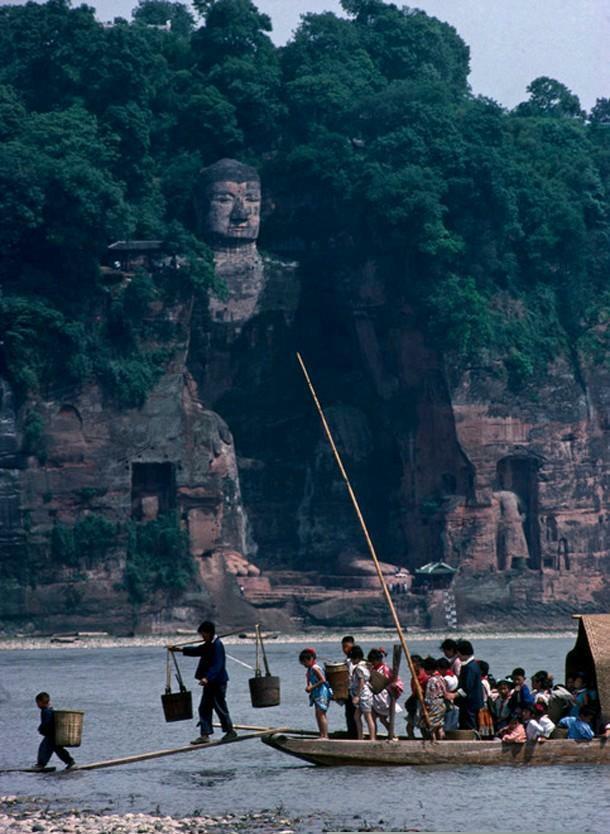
68	727
378	681
264	689
337	675
177	706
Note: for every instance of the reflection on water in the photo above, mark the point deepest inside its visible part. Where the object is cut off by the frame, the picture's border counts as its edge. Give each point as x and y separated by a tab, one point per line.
120	691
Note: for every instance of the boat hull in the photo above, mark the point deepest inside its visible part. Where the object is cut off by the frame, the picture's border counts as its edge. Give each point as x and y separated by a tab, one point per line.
405	753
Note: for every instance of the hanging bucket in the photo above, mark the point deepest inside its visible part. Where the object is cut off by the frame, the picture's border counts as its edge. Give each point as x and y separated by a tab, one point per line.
68	727
337	675
378	681
264	691
177	706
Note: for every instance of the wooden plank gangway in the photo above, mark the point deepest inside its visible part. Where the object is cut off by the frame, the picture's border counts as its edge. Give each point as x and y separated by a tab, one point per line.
173	751
253	732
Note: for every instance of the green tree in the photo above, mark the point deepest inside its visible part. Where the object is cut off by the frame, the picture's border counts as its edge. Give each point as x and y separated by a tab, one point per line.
160	12
550	98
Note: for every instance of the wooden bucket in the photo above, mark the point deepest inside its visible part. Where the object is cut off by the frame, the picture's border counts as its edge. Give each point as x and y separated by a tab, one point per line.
337	675
378	681
68	727
460	735
177	706
265	691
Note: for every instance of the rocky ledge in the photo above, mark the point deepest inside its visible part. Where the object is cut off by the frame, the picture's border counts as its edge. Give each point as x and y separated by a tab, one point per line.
20	815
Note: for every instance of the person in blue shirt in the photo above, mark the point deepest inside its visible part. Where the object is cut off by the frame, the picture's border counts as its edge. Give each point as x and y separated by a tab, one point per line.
579	728
212	675
47	731
584	696
469	694
521	697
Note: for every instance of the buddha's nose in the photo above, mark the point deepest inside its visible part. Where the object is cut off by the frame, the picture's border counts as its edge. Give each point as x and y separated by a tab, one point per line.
239	213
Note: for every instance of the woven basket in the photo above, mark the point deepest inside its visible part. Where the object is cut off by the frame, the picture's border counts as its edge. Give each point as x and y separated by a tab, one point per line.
337	675
378	681
68	727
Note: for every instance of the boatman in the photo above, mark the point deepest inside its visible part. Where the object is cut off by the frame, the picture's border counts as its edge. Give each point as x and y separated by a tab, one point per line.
212	676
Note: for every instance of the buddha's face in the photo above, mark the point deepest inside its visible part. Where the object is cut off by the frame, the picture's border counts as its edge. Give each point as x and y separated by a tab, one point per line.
233	211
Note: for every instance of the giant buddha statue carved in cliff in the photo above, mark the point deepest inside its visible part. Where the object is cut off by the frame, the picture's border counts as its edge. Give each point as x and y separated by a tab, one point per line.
261	290
229	204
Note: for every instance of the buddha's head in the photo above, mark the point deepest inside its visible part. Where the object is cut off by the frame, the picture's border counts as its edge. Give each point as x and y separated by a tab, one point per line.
229	203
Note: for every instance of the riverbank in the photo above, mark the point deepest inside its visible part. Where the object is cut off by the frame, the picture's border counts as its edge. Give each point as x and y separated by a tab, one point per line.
364	635
26	815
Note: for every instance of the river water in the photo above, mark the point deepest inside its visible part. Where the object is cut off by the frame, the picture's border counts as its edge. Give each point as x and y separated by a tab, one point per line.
119	690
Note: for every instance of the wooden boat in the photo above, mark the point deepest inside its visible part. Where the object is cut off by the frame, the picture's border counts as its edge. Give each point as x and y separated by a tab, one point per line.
400	753
591	655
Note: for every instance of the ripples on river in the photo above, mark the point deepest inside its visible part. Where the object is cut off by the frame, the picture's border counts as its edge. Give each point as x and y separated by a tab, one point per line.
119	690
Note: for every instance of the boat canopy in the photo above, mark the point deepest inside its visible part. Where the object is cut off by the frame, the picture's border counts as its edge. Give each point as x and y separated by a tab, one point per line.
591	656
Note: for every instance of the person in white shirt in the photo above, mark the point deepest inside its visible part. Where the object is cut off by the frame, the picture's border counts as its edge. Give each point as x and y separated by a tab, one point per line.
538	726
452	715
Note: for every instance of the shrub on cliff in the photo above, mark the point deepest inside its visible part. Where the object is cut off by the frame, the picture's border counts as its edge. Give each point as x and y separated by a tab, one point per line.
158	558
85	543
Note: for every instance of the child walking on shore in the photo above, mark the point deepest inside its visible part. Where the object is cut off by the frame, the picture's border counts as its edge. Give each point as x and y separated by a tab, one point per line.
47	730
318	688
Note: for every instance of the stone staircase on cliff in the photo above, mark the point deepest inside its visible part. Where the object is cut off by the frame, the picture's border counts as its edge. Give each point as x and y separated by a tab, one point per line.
309	587
450	609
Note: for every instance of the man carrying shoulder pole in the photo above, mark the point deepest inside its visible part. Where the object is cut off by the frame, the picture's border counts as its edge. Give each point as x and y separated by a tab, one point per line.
212	676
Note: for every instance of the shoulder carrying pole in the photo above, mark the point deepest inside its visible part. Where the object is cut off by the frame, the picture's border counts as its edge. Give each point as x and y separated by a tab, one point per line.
369	541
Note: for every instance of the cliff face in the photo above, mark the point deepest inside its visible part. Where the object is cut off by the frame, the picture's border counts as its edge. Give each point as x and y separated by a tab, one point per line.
72	522
509	490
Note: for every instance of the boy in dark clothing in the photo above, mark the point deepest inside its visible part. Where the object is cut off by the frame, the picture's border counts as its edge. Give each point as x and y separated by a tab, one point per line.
521	697
412	701
347	644
211	673
47	730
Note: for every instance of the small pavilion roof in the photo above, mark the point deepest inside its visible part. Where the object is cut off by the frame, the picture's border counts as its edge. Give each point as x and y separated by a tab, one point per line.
435	569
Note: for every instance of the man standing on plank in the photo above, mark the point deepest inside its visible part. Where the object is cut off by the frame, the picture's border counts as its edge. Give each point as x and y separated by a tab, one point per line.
212	676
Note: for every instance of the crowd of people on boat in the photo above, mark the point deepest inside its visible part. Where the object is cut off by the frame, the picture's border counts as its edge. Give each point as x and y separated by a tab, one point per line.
455	691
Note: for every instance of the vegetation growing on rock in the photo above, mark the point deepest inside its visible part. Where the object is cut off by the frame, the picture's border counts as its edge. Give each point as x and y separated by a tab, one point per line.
494	224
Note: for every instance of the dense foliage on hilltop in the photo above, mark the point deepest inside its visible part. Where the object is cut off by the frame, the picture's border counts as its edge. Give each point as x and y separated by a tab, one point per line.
494	224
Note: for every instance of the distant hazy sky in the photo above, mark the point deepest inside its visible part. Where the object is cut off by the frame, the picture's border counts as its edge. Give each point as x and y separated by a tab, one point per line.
511	41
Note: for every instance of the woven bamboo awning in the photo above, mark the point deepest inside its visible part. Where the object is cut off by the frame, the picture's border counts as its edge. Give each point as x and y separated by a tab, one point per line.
591	655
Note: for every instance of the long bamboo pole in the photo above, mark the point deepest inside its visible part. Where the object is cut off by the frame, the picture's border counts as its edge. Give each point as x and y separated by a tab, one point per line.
369	541
197	642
